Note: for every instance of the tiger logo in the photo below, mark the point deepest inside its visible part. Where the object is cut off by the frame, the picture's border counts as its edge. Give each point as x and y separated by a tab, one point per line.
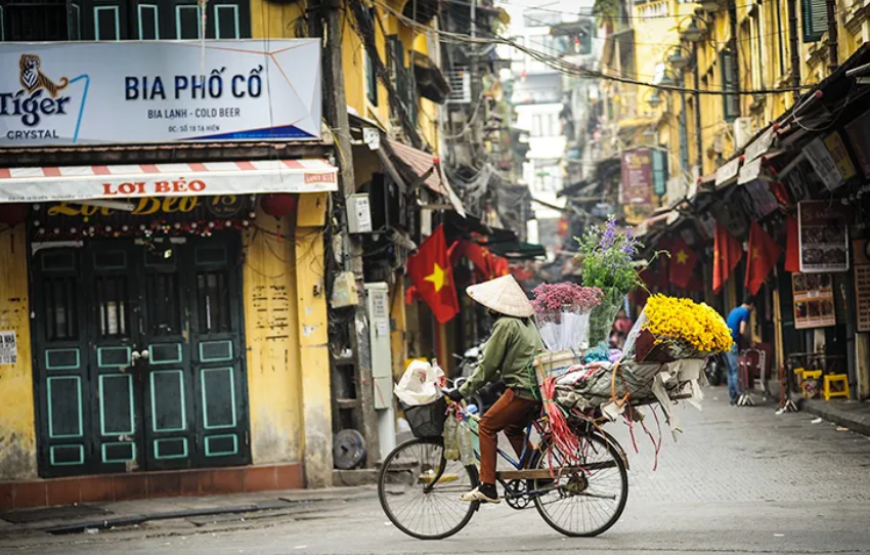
32	79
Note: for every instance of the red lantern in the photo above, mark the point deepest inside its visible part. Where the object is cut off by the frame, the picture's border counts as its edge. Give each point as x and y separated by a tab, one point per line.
278	204
13	214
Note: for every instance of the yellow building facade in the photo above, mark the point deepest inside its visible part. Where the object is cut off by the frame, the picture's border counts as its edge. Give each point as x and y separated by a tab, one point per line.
759	36
286	429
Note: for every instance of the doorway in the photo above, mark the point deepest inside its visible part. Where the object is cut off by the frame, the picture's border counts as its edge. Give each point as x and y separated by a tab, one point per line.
139	355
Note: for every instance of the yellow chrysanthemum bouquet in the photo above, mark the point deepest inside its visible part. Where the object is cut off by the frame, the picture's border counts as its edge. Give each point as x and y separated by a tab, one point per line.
678	328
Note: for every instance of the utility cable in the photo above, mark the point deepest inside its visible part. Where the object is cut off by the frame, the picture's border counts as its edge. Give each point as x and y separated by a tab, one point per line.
568	68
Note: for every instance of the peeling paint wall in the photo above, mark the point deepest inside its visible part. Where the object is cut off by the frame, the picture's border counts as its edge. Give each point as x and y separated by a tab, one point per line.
287	340
314	351
272	336
17	416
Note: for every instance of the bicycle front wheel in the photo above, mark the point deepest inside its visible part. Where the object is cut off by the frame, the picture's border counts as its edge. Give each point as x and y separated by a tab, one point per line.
588	492
419	490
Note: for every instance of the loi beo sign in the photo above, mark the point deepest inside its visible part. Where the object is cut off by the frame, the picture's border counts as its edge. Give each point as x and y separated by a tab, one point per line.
91	93
222	206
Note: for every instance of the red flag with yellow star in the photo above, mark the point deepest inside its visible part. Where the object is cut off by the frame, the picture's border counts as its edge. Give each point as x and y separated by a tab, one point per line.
682	263
432	275
763	254
727	252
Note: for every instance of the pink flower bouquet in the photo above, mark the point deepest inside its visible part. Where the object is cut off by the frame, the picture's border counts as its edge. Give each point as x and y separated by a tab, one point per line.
562	313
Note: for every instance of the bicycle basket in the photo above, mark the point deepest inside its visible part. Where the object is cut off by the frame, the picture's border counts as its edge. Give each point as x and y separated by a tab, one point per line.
427	420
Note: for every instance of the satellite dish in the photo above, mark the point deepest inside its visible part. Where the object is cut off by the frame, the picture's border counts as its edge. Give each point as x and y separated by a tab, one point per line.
348	449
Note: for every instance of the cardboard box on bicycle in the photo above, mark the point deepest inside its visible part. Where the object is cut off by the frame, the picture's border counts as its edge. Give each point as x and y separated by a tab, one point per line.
552	364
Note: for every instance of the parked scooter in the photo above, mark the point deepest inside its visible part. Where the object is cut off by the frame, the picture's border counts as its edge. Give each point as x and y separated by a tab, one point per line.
716	368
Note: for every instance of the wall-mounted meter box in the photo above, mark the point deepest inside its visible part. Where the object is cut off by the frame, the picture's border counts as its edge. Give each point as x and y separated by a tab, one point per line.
359	214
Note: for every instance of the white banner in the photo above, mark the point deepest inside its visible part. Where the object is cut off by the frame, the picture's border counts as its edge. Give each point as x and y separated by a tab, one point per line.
166	180
159	92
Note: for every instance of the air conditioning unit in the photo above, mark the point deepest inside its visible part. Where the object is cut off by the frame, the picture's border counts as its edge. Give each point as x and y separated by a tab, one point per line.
742	132
460	85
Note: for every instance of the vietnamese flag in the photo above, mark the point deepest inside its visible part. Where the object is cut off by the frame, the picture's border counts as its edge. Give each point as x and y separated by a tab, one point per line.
763	254
727	252
432	275
683	260
792	246
480	257
500	266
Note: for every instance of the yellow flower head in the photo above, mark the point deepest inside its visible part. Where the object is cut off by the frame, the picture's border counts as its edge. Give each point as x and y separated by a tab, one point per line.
698	326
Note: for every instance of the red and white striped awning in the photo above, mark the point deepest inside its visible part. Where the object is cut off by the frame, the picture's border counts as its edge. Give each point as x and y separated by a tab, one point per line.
81	183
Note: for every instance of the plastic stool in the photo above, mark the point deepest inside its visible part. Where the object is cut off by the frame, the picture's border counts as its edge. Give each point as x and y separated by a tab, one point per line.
832	379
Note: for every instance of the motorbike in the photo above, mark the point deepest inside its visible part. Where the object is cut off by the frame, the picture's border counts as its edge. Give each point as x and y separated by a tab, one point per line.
716	369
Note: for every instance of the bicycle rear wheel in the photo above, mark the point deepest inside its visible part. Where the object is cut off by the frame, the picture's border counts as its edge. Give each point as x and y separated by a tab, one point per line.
419	490
584	502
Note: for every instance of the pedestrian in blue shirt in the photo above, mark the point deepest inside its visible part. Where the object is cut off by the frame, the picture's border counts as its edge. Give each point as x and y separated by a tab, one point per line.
738	321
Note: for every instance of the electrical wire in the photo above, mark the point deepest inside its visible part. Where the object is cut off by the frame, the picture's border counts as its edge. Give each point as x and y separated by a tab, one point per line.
568	68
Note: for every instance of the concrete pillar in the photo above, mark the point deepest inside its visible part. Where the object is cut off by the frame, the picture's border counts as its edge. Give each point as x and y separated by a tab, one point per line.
313	341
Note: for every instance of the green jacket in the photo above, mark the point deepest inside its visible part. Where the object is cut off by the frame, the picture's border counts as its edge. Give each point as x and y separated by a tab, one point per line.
508	354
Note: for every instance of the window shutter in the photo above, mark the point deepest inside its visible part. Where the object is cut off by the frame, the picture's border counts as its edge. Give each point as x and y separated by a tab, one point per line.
660	171
730	103
815	19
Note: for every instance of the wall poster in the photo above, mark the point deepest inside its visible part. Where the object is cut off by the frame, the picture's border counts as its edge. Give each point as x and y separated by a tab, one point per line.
824	236
813	301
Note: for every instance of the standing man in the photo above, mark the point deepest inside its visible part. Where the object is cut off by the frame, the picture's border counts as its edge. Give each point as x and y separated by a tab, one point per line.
738	322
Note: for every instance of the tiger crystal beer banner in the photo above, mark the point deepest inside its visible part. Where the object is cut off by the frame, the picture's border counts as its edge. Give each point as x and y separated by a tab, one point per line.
57	94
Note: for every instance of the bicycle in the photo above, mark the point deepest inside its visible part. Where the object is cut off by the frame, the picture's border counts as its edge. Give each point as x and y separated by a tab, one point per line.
419	489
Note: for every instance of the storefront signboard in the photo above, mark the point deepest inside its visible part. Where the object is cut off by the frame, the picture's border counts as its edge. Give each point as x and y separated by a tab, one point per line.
122	183
637	176
862	283
824	236
727	172
73	93
830	160
813	301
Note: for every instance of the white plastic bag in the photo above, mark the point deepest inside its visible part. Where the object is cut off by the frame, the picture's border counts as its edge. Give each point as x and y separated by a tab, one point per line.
420	384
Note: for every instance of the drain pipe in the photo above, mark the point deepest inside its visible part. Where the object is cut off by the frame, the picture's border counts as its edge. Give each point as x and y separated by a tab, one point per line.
832	35
795	49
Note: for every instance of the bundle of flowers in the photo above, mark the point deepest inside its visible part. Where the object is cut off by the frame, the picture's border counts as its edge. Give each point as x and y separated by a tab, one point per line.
608	263
677	328
562	314
663	362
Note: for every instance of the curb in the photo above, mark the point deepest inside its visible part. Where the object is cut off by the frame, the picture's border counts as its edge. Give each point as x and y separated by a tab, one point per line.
832	413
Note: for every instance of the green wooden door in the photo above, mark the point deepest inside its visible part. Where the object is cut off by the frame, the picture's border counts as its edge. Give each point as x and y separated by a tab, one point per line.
111	280
140	356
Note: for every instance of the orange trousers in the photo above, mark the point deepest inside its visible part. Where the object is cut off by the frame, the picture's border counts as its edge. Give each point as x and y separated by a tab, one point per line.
510	414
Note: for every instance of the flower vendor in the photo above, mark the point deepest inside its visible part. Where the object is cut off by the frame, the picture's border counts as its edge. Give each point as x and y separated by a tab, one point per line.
507	354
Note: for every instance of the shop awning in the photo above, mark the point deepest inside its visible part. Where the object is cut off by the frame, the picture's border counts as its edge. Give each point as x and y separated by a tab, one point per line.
81	183
516	250
423	165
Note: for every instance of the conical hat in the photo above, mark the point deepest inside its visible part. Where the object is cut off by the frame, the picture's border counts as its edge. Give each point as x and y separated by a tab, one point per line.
502	295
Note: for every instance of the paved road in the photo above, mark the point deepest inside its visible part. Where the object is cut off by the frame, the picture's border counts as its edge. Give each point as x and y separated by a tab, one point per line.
738	480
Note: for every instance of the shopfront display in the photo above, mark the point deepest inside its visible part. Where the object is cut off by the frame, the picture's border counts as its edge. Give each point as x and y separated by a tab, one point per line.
813	296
